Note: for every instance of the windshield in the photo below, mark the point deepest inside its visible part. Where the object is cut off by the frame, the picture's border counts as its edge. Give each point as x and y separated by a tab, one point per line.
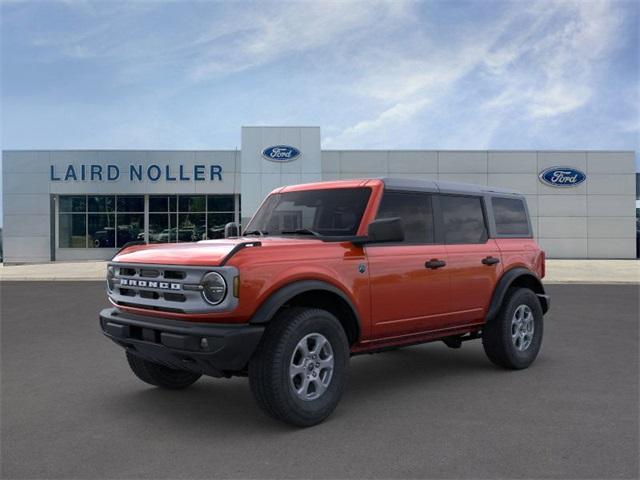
330	212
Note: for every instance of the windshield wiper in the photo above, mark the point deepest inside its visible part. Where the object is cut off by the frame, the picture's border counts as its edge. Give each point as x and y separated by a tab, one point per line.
256	232
301	231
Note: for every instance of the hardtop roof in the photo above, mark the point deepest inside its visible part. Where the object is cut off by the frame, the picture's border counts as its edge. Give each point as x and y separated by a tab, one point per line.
439	186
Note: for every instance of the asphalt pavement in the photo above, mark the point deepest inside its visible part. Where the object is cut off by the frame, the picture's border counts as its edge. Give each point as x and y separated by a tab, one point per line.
70	407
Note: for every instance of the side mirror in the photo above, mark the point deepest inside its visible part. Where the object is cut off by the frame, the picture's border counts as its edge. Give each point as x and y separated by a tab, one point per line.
231	229
386	230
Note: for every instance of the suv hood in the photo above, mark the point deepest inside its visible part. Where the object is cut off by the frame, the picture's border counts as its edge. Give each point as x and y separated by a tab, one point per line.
203	253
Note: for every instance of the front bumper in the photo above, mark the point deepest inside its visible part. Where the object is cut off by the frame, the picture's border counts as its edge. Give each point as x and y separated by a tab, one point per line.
181	345
545	302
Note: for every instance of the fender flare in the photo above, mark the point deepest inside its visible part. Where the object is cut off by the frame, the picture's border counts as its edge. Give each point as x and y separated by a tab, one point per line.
507	279
276	300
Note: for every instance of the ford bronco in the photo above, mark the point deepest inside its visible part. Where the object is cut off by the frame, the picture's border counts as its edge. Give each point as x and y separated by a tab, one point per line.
328	270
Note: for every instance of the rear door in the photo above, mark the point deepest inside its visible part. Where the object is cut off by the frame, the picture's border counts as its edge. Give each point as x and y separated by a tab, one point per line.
473	258
407	295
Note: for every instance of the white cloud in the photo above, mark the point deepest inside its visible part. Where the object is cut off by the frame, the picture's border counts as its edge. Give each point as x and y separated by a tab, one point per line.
539	59
259	38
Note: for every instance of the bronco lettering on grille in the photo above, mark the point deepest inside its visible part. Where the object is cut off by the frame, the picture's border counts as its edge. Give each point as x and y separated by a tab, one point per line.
130	282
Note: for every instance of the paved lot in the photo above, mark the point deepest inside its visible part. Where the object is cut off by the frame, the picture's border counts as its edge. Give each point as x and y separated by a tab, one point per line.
71	408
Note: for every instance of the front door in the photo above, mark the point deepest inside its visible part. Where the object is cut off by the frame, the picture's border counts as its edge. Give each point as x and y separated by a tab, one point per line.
409	281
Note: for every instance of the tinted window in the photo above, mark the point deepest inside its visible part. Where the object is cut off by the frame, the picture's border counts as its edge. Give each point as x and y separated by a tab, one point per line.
131	203
511	216
330	212
416	213
69	203
101	203
463	219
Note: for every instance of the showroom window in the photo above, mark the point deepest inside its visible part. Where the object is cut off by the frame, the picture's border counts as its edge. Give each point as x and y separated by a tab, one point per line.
189	218
100	221
111	221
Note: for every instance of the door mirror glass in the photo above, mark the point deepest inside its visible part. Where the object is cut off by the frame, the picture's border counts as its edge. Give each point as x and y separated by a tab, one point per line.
386	230
231	229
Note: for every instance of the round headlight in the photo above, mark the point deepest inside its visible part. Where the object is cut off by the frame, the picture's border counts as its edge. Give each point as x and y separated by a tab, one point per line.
214	288
111	272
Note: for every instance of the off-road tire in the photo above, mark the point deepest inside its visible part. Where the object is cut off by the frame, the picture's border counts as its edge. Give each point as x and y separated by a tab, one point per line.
269	367
159	375
496	335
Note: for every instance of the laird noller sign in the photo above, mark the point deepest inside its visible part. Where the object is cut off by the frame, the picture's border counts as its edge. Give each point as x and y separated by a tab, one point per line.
135	173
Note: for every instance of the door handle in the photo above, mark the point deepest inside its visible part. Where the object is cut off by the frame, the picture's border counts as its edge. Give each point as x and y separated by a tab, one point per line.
490	260
435	263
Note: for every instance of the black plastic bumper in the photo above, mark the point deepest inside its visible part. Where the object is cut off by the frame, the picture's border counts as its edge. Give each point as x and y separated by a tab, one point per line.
215	350
545	302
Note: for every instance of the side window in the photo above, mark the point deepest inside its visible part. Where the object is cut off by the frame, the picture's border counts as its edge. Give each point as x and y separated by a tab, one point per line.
416	212
463	219
511	216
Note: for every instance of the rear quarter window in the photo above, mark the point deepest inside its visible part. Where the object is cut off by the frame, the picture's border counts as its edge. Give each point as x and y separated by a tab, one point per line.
511	216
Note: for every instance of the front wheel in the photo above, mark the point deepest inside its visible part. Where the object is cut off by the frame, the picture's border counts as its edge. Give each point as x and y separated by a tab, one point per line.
299	370
513	338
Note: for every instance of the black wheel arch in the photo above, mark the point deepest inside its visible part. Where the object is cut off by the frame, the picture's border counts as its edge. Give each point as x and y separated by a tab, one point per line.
313	294
517	277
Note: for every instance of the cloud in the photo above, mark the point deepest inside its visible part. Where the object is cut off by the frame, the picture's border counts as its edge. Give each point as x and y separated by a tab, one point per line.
539	60
395	74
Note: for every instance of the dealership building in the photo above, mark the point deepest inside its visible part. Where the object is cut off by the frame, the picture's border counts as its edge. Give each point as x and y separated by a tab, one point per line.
62	205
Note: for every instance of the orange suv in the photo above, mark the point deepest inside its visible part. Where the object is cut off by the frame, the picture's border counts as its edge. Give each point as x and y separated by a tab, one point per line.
328	270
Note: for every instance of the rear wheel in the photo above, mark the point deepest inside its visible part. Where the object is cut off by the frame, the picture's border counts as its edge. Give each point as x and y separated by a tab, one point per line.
299	370
159	375
513	338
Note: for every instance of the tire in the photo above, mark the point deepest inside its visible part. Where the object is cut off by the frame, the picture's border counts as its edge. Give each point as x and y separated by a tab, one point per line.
502	346
159	375
281	354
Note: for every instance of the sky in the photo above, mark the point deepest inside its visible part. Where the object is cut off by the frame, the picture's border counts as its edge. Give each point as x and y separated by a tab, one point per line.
372	74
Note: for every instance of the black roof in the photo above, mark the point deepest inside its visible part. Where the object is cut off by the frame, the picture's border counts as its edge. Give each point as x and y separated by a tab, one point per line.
444	187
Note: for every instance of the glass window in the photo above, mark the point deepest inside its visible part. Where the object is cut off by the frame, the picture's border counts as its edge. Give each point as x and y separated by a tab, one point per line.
101	203
101	230
463	219
158	203
511	216
72	230
73	203
220	203
191	227
130	228
192	203
159	228
330	212
131	203
416	212
216	223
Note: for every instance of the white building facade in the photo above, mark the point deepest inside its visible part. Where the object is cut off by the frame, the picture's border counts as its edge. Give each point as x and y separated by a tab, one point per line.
62	205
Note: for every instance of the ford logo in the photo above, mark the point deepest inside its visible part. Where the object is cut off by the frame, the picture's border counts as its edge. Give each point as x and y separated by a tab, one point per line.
281	153
562	177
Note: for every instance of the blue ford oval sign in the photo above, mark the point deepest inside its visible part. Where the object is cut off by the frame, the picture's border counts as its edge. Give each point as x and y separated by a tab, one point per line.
281	153
562	177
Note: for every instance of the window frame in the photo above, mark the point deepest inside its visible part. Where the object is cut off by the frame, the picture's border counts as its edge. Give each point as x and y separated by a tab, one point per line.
485	218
